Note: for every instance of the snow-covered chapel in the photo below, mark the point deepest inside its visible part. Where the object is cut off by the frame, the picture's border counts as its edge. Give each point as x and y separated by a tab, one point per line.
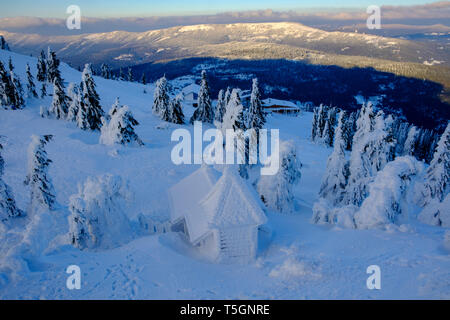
219	214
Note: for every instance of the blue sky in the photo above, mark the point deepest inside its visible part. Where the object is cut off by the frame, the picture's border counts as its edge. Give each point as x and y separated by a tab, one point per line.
117	8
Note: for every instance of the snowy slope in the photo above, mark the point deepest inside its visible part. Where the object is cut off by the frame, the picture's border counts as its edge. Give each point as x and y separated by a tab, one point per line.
298	260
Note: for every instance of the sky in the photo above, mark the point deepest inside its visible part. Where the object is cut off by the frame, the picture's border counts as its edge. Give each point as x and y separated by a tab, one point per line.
145	8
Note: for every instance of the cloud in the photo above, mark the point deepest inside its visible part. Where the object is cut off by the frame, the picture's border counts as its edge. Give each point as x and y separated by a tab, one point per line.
433	13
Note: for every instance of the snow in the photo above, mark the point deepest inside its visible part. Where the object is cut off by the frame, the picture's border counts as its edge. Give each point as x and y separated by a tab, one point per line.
184	198
298	260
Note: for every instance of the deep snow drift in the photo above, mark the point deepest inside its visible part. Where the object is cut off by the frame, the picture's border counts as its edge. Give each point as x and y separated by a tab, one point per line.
296	259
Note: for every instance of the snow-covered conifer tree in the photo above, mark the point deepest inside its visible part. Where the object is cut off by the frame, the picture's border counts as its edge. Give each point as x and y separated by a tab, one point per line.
42	68
436	185
314	124
130	75
234	114
53	72
176	110
91	112
8	207
6	88
97	217
59	106
120	129
360	166
276	190
321	121
373	148
121	75
3	44
105	71
409	148
336	176
42	191
387	194
204	111
161	97
31	87
220	108
256	118
16	94
73	93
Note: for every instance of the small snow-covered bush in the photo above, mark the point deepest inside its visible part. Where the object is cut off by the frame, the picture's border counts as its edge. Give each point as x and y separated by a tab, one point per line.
98	219
325	213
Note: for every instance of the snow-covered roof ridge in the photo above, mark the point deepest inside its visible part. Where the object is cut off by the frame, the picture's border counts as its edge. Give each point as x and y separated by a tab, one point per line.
185	195
231	203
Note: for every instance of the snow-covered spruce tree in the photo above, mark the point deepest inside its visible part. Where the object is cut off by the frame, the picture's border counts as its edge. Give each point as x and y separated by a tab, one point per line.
42	68
409	148
382	143
350	129
3	44
16	95
276	190
42	191
256	118
105	71
437	179
6	88
321	131
143	79
314	124
8	207
176	110
336	176
10	64
360	166
386	203
120	129
53	72
130	77
161	97
221	107
59	106
31	87
234	120
91	112
204	111
373	148
401	129
331	123
327	138
97	217
234	114
121	75
73	93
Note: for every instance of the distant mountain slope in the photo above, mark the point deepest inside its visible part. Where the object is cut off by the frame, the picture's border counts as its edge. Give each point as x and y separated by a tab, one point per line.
125	48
